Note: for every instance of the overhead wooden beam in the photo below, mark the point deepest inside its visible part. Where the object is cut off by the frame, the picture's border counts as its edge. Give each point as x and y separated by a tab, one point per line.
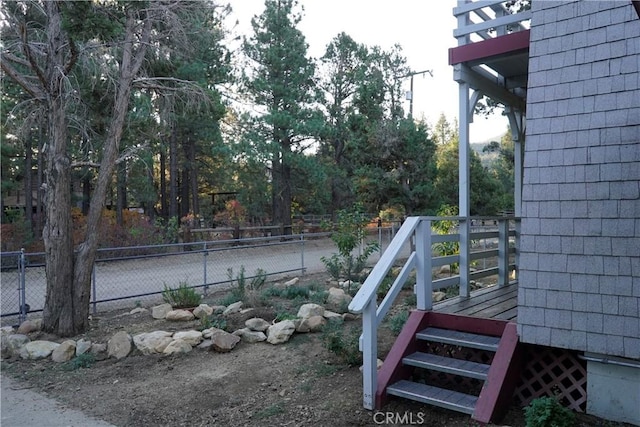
488	84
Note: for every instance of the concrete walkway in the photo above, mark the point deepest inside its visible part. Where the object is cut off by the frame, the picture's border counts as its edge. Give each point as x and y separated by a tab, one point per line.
23	407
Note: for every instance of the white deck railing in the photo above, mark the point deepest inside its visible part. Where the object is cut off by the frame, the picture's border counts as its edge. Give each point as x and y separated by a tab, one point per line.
485	19
504	230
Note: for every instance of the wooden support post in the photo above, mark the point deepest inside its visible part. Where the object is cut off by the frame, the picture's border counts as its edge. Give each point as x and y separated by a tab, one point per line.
369	348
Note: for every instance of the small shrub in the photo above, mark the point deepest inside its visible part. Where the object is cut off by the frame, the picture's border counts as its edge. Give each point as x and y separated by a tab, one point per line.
284	315
293	292
548	412
319	297
181	297
230	298
342	342
248	289
269	411
396	322
85	360
411	300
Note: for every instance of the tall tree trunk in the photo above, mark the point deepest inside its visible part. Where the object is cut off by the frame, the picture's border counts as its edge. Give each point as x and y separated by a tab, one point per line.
60	302
39	202
164	208
287	194
28	182
193	178
173	172
121	194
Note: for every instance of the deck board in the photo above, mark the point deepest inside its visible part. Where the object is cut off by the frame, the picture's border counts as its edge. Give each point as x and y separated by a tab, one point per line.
489	303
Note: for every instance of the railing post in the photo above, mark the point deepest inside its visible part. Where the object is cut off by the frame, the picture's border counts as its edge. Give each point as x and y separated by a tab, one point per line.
94	288
424	283
463	229
22	299
302	270
503	252
369	348
204	272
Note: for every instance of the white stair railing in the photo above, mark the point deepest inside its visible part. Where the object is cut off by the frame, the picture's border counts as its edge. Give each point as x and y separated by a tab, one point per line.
422	260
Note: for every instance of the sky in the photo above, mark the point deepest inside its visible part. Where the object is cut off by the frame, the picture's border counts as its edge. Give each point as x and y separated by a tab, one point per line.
423	28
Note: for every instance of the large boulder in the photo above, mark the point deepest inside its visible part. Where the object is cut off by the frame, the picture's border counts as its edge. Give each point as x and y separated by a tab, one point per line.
177	346
223	342
180	315
257	324
202	311
64	352
13	344
250	336
38	349
160	311
310	310
193	338
152	342
82	346
338	299
119	346
280	332
312	324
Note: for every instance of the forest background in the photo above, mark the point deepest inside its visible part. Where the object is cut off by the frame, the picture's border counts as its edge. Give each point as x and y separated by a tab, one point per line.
135	118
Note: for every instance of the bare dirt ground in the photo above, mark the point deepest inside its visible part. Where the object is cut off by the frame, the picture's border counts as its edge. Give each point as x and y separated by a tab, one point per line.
299	383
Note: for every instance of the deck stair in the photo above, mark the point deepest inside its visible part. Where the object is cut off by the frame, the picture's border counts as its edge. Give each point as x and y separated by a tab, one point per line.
442	365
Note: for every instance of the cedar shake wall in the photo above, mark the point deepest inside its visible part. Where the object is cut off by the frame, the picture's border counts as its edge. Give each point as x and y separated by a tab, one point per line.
580	247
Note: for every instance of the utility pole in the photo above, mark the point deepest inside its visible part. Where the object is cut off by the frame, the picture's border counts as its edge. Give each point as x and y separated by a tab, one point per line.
410	93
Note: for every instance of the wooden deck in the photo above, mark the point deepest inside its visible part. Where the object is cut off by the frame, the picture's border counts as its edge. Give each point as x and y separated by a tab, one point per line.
489	303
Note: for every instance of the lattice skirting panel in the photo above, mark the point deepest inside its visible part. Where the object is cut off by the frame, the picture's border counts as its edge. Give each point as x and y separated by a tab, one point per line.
553	372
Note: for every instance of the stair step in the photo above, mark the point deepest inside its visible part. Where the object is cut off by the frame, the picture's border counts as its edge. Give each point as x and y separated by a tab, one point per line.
449	365
464	339
436	396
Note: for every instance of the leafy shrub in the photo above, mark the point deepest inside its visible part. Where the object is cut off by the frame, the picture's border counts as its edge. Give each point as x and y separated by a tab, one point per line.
548	412
207	322
85	360
343	342
293	292
319	297
248	289
397	321
349	233
181	297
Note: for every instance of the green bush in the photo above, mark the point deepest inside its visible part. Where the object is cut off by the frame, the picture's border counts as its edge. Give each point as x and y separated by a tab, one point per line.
548	412
397	321
85	360
342	341
181	297
248	289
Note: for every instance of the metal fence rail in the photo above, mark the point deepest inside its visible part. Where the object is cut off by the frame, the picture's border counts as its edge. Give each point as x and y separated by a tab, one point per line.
142	272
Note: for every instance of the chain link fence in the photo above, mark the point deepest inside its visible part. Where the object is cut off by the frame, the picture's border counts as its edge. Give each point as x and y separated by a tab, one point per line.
141	273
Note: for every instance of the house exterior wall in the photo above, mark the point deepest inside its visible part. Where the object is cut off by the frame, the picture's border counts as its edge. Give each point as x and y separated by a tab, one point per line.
580	247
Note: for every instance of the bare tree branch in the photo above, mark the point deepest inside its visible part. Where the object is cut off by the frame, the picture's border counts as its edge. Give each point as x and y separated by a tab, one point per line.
29	54
22	80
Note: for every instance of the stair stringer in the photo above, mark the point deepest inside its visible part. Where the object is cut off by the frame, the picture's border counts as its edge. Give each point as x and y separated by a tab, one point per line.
392	369
497	391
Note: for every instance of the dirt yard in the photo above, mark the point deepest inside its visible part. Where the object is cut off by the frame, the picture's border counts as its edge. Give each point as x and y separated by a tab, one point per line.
299	383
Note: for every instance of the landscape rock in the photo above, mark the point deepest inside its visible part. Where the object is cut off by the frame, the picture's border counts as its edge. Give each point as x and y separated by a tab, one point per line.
27	327
233	308
438	296
38	349
177	346
64	352
119	346
328	314
249	336
280	332
99	350
312	324
160	311
152	342
208	333
205	345
193	338
309	310
7	330
291	282
247	310
257	324
14	343
349	316
338	299
139	310
445	269
202	311
82	346
180	315
218	309
223	342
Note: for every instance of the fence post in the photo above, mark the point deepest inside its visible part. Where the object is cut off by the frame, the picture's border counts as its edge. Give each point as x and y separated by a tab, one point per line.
503	252
204	261
302	269
94	289
22	299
